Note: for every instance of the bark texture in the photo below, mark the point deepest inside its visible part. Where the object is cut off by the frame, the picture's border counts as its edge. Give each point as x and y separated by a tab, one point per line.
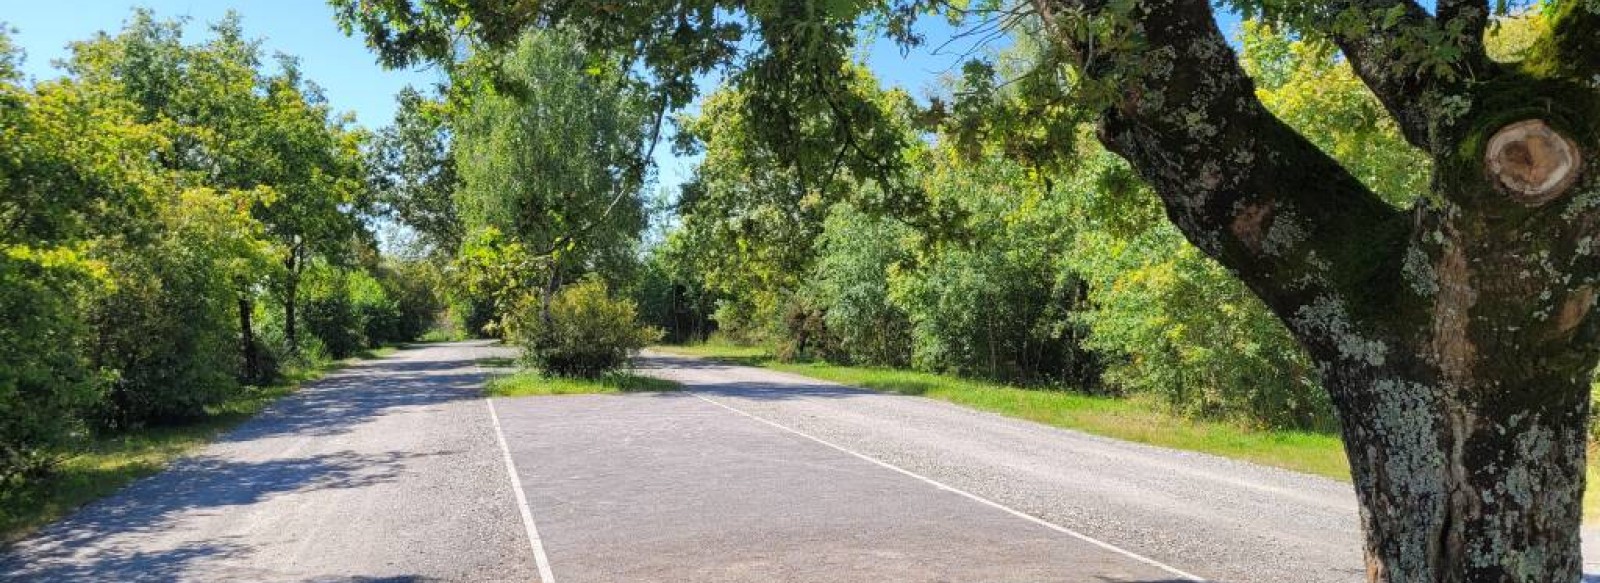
247	342
1457	338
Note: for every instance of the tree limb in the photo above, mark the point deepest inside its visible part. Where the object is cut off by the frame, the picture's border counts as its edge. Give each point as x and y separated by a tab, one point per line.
1239	183
1375	52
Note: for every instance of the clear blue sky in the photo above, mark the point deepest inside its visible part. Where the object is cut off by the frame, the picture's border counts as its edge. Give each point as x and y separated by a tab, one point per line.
346	69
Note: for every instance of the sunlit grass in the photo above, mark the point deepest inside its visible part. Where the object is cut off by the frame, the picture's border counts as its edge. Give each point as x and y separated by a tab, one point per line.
528	383
108	463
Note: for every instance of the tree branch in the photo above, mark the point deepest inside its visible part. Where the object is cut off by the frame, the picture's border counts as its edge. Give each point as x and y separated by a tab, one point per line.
1375	52
1239	183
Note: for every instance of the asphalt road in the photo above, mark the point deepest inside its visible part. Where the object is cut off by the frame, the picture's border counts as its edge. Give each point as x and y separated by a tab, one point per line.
387	471
397	471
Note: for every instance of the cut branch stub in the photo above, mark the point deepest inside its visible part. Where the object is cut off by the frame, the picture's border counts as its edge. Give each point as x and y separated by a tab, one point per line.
1532	163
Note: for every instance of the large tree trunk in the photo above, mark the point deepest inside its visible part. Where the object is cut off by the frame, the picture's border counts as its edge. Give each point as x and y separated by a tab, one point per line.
1471	485
1457	338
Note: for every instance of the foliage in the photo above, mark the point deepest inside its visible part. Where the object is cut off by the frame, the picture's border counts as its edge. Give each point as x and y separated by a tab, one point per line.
46	381
329	312
551	152
672	296
1001	305
856	254
582	332
1307	85
169	328
414	171
1174	325
151	198
751	216
414	287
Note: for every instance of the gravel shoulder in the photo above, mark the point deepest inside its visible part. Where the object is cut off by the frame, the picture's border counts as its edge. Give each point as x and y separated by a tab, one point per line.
388	470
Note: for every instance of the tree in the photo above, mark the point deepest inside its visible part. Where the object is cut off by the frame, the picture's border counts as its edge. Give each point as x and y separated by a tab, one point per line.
551	145
413	163
268	142
58	178
1456	337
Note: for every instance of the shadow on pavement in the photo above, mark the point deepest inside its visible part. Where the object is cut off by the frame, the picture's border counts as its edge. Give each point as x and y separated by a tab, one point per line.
190	485
100	541
339	402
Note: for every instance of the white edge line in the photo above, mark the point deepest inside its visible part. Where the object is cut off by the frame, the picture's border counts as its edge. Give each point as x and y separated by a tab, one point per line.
974	497
539	558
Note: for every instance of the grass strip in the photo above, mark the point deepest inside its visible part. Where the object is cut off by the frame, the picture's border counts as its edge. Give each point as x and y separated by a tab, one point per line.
531	383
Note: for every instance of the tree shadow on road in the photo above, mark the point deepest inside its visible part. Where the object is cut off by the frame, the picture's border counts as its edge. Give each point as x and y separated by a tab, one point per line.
343	401
110	540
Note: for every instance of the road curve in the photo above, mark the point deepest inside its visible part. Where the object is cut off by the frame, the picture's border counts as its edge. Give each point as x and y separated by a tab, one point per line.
385	471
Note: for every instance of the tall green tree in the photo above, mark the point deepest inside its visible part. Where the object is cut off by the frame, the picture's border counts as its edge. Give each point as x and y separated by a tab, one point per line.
551	146
60	175
1456	337
269	140
414	172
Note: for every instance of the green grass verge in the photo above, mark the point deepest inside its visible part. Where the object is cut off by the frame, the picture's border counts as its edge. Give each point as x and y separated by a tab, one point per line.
529	383
1127	419
108	463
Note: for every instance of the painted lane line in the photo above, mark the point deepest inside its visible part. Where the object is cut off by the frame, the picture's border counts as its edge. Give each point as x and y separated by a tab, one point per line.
545	575
970	496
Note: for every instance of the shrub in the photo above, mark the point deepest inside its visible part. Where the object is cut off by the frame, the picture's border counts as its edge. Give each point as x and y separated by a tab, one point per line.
413	285
855	252
586	332
45	380
169	330
1176	326
327	312
377	314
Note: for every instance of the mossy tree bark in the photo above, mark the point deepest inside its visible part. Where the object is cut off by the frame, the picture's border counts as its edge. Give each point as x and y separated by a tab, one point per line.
1457	337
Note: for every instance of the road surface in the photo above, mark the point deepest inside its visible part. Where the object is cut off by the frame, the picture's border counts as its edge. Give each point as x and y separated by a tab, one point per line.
397	470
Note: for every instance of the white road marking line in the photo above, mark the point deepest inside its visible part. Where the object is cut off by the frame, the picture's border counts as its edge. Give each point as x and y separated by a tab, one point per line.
974	497
545	576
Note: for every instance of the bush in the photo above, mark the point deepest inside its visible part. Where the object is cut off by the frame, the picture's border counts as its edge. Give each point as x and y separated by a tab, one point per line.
377	314
327	312
169	330
413	285
1178	327
45	380
1001	306
855	253
586	333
